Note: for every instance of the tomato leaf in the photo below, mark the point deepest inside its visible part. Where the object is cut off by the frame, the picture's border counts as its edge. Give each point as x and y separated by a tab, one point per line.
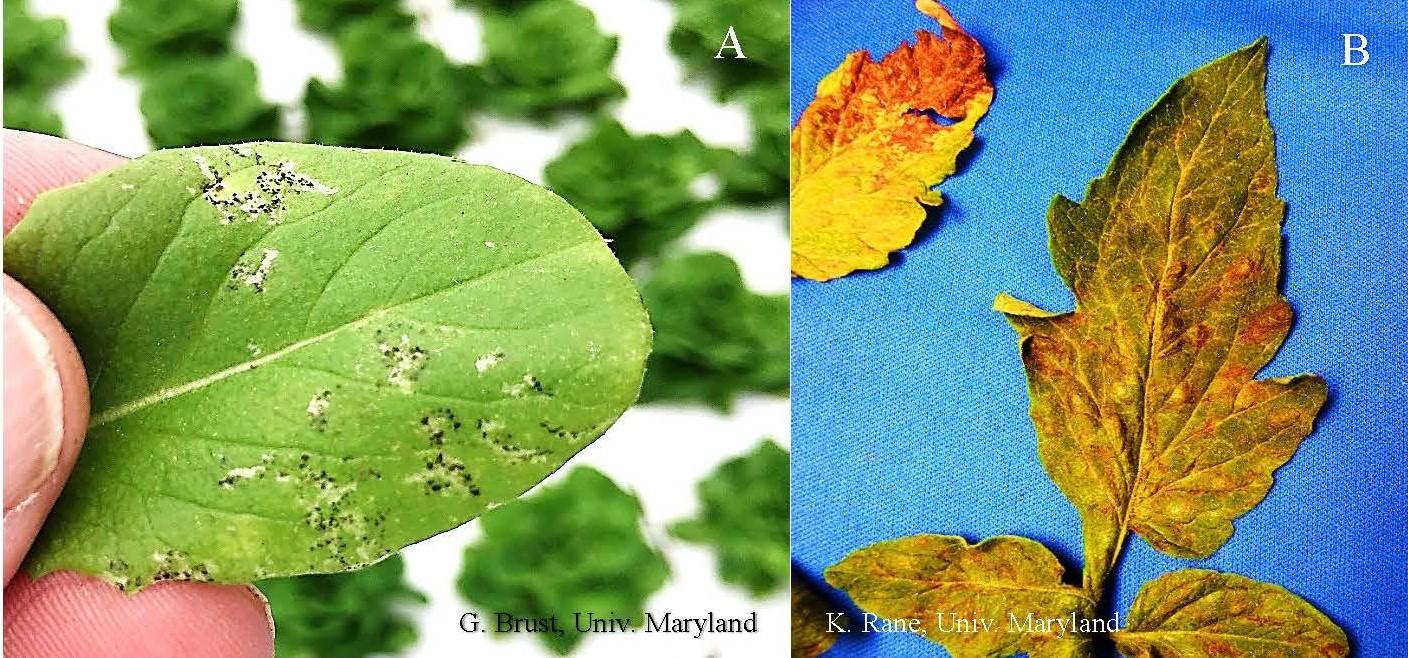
866	153
1148	413
302	358
1197	613
937	579
816	624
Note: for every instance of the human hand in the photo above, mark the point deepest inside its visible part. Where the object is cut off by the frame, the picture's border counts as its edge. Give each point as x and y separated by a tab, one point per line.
46	414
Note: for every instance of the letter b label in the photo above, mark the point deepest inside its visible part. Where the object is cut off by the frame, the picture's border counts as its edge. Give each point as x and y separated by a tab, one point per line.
1356	49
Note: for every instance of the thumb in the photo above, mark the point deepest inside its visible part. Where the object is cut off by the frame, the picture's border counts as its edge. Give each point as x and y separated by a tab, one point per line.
46	414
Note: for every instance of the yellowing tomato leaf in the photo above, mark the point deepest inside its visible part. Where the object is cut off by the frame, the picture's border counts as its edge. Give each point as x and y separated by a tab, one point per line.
868	151
1148	413
941	579
815	623
1197	613
302	358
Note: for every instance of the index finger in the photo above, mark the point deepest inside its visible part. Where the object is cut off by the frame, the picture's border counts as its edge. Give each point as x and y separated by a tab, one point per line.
35	163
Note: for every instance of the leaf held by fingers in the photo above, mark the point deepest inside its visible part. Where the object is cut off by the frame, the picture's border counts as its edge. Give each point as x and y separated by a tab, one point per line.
931	577
866	153
302	358
1148	412
1197	613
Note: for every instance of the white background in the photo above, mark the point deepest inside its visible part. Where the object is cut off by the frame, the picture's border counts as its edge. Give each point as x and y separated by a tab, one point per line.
658	451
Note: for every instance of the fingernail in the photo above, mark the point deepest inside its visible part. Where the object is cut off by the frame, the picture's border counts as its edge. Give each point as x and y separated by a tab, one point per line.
33	392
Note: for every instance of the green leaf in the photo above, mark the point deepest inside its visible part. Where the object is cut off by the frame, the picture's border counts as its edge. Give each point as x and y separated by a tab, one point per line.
500	5
303	358
1148	412
35	55
759	175
331	16
575	547
36	62
212	100
714	336
1197	613
545	58
30	111
939	579
397	92
345	615
636	189
762	28
744	516
812	623
154	33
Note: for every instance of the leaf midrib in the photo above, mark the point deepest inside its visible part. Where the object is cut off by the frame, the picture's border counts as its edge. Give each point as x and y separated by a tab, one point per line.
1153	346
170	392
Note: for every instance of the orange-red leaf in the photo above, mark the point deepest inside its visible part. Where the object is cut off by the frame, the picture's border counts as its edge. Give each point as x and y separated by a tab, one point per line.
867	152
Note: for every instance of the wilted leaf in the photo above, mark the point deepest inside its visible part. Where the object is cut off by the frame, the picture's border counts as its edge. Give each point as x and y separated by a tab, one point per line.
343	615
303	358
1205	614
1148	413
744	516
938	579
812	620
573	547
867	152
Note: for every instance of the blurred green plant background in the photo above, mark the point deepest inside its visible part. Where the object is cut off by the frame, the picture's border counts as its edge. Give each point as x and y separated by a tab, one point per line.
585	540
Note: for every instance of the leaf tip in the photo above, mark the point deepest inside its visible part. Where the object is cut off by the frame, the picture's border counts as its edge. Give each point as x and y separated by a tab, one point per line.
938	12
1011	306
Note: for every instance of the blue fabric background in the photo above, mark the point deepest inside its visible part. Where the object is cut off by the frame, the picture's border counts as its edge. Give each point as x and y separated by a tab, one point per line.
909	405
